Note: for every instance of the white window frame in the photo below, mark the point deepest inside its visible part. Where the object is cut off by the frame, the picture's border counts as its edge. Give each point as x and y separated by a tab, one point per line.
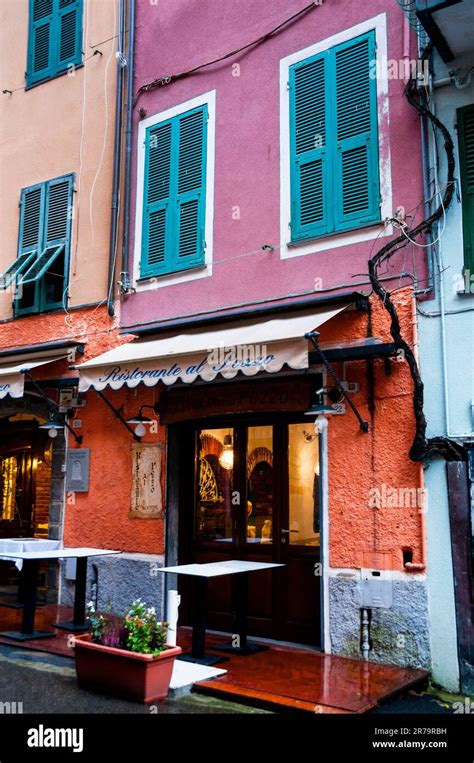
290	249
202	271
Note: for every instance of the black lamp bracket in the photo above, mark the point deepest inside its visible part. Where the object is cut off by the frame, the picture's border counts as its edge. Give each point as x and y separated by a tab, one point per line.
53	406
118	415
312	336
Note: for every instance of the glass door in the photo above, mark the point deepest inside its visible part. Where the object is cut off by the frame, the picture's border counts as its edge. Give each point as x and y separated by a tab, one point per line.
256	497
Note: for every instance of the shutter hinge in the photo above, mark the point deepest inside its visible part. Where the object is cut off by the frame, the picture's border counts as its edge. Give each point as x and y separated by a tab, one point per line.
288	85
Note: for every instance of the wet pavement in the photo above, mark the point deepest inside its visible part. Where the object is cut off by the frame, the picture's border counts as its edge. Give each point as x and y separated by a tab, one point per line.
46	683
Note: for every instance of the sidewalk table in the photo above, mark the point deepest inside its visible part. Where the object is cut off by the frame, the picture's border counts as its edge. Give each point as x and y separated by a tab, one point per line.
31	561
24	544
201	574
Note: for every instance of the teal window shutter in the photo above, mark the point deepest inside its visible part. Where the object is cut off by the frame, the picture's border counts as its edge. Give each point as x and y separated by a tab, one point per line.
45	234
32	207
174	194
40	41
356	156
334	169
54	38
29	240
465	120
189	244
309	156
69	34
157	217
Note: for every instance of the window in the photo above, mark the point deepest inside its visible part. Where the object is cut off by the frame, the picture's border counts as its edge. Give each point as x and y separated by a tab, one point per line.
466	163
54	38
40	269
174	194
334	140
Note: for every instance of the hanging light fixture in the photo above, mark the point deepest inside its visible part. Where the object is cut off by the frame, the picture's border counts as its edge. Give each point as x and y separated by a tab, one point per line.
53	426
226	458
140	420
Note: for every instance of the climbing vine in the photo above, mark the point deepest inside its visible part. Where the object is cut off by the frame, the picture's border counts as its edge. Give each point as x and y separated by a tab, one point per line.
422	448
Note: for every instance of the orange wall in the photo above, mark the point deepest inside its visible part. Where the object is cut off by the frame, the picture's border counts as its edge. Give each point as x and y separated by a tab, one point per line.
357	462
100	517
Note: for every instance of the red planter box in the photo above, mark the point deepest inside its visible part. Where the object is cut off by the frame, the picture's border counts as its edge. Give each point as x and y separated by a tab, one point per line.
141	677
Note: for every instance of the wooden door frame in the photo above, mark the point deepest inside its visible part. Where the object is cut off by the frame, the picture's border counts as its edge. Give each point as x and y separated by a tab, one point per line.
178	444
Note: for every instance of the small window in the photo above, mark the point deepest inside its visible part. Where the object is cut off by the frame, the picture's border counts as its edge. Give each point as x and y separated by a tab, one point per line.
54	38
174	194
334	140
40	270
466	164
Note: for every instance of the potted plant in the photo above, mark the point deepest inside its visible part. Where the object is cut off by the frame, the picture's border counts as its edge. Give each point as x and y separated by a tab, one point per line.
126	657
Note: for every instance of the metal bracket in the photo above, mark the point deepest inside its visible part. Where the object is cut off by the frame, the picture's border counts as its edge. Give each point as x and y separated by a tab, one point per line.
118	416
53	406
364	425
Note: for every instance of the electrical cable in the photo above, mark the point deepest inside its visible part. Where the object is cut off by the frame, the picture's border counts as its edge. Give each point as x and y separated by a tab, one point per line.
422	448
166	80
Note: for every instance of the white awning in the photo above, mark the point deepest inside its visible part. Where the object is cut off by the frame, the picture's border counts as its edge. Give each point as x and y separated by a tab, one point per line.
248	348
12	377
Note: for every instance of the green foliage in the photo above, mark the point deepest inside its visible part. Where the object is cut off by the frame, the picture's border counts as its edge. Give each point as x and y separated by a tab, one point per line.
139	631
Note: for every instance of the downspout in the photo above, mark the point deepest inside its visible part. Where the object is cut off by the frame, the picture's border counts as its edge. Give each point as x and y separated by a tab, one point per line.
116	163
125	275
426	163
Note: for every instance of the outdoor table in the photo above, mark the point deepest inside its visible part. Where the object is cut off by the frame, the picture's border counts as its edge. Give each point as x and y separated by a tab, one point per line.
202	573
24	544
31	561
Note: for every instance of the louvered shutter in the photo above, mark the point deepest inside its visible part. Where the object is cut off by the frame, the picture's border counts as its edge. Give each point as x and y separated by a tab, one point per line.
466	160
58	211
31	219
40	40
55	232
69	33
309	153
190	208
157	222
356	173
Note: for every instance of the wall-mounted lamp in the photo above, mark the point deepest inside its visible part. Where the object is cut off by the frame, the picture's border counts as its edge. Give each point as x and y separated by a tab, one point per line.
53	426
140	420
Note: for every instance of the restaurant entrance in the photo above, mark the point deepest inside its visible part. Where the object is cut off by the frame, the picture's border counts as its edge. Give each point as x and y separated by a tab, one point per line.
250	488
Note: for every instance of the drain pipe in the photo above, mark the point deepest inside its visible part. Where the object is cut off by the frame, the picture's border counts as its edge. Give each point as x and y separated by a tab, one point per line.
121	63
365	633
125	275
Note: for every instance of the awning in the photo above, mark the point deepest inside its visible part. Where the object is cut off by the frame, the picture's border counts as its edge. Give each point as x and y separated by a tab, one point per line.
247	348
12	376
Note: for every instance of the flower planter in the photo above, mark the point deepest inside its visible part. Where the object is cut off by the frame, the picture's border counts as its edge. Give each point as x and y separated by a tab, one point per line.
141	677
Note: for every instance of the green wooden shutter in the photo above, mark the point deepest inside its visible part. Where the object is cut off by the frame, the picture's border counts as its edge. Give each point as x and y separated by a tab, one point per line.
466	159
69	33
309	153
174	194
40	41
190	198
45	224
157	213
355	158
32	204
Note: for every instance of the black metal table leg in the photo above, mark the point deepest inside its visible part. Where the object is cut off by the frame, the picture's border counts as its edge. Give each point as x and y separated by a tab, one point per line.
78	623
239	644
198	649
18	603
30	580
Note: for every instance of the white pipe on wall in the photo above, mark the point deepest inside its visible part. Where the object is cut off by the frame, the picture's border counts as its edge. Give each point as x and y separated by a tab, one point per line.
173	601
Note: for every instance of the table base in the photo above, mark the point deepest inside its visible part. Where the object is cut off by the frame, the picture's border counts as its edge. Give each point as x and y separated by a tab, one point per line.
19	636
241	651
18	604
71	626
208	659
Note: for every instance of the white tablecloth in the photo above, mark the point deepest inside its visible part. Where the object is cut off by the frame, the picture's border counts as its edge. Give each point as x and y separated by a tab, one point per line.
12	545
